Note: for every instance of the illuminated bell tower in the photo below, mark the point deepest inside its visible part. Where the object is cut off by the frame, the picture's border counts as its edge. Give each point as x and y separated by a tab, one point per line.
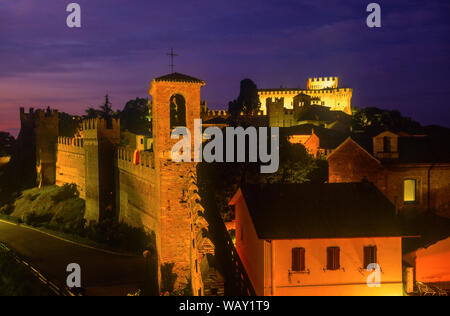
176	103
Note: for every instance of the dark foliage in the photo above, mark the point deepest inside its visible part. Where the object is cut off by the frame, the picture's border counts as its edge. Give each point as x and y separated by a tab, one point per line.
373	121
68	124
7	144
120	235
105	111
15	280
34	219
248	100
135	117
168	278
68	190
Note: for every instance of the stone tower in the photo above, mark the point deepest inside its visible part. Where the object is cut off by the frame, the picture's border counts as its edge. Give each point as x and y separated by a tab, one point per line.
101	138
181	242
39	136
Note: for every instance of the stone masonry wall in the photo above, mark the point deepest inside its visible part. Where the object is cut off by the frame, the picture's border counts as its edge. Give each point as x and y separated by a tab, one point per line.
70	163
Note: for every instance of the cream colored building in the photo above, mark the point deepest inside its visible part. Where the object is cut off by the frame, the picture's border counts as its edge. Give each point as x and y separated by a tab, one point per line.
326	89
293	242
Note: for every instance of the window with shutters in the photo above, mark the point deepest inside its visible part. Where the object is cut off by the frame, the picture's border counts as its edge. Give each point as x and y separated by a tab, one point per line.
370	256
333	258
298	260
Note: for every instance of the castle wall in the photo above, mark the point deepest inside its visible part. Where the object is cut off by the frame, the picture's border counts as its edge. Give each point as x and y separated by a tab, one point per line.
100	142
136	190
70	164
37	143
336	99
279	116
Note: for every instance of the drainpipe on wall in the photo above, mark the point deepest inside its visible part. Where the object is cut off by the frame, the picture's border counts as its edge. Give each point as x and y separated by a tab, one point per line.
429	187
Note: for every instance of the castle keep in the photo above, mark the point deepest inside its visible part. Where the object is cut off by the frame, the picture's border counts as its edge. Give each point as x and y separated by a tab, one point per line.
141	188
323	91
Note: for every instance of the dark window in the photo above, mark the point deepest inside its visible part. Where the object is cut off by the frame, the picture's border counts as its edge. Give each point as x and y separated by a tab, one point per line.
298	259
387	144
333	258
370	256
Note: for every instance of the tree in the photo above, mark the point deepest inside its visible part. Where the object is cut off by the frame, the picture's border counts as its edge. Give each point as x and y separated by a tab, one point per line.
374	120
248	100
135	116
7	144
106	111
92	113
296	166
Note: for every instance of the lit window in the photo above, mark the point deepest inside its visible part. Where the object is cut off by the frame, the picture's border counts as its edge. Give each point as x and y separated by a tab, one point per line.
409	191
298	260
370	256
333	258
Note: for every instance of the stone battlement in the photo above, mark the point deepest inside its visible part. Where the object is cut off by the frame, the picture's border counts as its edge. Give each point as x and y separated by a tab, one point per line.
39	113
70	145
323	79
99	123
283	91
36	117
71	141
216	113
126	158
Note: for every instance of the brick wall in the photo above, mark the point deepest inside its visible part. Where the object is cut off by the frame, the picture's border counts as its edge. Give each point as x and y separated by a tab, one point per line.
350	163
70	163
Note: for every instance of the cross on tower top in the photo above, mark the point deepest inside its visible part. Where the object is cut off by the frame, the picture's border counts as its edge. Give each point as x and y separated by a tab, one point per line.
172	55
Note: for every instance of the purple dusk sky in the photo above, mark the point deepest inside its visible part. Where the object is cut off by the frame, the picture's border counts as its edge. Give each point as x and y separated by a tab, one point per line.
122	45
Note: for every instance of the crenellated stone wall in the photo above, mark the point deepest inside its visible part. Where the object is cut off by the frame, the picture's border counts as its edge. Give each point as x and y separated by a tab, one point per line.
70	163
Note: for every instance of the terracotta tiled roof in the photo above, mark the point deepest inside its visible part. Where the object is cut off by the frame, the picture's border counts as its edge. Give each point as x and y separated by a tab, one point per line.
177	77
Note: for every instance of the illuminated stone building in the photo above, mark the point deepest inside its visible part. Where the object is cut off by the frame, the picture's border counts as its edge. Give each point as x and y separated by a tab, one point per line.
322	91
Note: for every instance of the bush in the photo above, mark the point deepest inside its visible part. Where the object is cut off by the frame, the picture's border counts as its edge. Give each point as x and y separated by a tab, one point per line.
61	209
15	280
66	192
34	219
120	235
7	209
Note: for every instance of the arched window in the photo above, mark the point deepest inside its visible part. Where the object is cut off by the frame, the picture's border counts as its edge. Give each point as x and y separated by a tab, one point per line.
177	111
